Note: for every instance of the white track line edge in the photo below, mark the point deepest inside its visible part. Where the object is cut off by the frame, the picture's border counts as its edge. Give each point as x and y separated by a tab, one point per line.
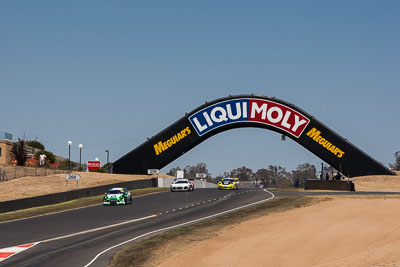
178	225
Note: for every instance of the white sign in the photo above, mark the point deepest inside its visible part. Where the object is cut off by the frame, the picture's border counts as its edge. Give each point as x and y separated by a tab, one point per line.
73	177
153	171
201	175
179	174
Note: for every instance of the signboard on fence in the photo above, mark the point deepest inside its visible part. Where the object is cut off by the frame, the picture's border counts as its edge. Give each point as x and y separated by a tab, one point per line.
201	175
179	174
153	171
93	165
72	177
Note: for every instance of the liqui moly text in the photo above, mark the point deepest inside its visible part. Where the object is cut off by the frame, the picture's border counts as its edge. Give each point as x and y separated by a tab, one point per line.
249	110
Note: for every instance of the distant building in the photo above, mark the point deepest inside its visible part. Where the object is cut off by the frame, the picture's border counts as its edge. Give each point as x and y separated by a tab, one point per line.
5	136
7	157
6	145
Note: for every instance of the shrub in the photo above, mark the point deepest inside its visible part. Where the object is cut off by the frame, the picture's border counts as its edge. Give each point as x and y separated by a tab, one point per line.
49	156
64	164
19	152
35	144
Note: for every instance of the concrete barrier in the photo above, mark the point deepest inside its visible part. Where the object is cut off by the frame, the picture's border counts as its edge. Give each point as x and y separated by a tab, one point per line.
329	185
166	182
30	202
248	184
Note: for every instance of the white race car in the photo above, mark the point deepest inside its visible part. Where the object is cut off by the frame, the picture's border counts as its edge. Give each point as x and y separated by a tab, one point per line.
182	185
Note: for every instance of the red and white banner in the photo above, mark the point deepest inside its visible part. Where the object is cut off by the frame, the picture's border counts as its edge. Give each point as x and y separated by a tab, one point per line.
93	165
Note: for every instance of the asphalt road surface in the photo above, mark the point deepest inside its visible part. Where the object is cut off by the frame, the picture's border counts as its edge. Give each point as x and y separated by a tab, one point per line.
76	237
90	236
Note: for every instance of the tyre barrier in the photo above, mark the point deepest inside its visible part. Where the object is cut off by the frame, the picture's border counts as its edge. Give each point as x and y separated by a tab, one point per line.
30	202
329	185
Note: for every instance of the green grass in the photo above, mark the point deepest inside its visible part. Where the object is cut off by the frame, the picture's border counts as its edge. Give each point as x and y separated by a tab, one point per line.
73	204
153	250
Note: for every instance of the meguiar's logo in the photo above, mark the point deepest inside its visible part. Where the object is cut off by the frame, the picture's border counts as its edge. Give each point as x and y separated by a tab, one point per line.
162	146
252	110
316	136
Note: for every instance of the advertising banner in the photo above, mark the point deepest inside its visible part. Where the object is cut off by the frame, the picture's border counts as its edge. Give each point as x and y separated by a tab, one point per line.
94	165
248	111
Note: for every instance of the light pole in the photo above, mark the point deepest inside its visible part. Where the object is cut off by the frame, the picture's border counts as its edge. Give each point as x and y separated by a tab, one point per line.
69	154
108	154
80	155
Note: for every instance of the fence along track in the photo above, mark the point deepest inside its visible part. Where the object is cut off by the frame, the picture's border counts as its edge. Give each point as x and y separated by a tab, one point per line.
3	176
14	172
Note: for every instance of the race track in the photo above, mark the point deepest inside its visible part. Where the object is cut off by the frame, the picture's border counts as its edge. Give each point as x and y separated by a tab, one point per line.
90	236
76	237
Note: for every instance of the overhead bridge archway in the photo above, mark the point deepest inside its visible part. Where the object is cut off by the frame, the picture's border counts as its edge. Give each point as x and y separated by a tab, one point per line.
248	111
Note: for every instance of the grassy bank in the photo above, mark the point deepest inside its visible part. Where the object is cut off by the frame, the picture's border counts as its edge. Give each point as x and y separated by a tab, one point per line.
73	204
152	251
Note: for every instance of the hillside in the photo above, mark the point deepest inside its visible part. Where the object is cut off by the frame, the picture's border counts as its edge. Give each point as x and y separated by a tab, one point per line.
381	183
41	185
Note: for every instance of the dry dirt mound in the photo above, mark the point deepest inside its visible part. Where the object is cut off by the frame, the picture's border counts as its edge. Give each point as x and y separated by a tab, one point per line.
381	183
341	232
41	185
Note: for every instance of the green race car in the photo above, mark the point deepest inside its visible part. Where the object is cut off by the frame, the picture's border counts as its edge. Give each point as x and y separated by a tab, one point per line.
117	196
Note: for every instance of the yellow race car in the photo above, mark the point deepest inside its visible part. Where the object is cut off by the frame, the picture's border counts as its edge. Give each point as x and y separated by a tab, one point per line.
229	183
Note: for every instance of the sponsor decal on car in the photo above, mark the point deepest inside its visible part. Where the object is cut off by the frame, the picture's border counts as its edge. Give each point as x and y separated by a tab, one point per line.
248	109
316	136
161	146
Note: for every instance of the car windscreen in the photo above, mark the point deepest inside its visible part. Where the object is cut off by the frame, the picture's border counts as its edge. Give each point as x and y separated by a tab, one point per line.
180	182
115	192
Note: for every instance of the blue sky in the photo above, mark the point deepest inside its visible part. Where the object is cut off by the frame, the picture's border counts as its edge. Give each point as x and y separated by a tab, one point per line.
109	74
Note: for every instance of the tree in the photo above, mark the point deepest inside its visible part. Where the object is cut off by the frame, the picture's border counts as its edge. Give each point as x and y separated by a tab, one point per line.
173	171
265	176
243	173
274	176
49	156
190	171
66	164
396	166
35	144
18	150
302	173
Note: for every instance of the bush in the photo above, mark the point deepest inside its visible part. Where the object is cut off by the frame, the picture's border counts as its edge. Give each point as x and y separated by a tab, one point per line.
396	166
103	169
19	152
49	156
64	164
35	144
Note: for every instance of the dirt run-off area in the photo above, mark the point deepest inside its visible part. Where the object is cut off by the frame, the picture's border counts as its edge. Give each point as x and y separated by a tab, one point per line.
31	186
344	231
340	232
